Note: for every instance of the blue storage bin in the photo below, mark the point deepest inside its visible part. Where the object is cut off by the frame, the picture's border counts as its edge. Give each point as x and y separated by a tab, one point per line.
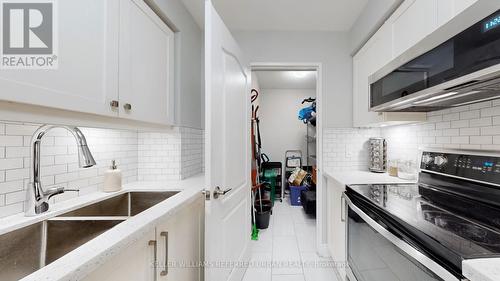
295	194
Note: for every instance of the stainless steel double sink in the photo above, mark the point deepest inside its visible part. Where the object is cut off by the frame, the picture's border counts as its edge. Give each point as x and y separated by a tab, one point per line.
25	250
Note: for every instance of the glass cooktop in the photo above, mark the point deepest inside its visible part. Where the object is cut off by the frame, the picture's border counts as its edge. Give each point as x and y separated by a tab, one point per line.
438	227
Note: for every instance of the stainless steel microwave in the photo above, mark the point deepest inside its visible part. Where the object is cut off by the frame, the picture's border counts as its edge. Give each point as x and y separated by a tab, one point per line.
464	69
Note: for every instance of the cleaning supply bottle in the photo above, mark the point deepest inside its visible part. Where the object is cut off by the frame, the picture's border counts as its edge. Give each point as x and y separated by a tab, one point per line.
112	179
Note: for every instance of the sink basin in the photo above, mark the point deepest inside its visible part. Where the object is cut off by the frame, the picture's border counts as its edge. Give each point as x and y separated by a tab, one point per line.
25	250
63	236
127	204
20	252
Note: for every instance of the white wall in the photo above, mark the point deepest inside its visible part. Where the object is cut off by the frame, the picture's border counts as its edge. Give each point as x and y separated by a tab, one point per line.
281	129
189	89
332	49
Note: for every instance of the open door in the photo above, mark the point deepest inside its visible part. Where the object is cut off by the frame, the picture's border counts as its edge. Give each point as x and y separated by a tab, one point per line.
227	125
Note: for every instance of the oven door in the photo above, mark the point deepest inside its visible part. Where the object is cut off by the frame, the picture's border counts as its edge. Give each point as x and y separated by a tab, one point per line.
374	253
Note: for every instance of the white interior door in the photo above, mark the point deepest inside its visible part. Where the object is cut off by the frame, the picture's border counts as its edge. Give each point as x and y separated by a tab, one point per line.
227	217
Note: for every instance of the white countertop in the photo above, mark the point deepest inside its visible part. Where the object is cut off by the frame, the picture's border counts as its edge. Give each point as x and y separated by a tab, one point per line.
85	259
482	269
363	177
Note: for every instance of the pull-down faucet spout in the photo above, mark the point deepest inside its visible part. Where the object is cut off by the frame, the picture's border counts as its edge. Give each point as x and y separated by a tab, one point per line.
37	197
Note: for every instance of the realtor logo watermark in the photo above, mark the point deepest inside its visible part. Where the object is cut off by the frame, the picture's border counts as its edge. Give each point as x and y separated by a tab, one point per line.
29	34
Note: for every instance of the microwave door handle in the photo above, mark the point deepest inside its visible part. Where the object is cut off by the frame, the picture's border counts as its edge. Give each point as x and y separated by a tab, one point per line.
402	245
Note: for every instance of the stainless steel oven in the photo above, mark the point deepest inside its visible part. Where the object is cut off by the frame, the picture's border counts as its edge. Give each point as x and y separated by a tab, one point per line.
425	231
374	253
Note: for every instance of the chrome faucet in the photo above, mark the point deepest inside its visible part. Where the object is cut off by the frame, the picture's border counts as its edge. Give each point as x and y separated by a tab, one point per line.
37	198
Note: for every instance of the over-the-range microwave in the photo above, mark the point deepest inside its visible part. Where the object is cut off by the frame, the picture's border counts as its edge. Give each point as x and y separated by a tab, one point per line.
465	69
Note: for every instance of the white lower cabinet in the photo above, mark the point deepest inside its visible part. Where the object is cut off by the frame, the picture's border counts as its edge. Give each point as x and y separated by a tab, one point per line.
135	262
172	251
336	227
180	245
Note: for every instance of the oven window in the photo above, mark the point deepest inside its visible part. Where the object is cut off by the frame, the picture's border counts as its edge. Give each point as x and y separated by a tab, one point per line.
372	257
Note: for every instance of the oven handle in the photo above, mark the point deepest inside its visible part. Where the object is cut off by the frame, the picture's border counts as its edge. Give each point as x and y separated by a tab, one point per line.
403	246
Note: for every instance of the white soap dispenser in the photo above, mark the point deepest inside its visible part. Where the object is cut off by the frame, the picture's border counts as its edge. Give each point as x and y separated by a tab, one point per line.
112	179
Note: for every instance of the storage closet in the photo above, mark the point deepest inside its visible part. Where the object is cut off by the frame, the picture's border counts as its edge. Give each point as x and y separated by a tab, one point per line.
285	109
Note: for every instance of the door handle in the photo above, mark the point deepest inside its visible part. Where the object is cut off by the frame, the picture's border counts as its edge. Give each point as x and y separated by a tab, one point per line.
153	243
164	272
342	208
219	192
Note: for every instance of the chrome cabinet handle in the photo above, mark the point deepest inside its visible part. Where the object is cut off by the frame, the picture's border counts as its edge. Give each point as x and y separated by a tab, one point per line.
114	103
164	272
342	208
127	106
219	192
155	253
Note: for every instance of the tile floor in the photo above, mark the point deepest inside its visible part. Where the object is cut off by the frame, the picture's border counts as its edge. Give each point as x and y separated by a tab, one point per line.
286	251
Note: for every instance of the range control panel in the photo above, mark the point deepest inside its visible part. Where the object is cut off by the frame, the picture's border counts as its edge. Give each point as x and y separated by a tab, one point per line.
476	167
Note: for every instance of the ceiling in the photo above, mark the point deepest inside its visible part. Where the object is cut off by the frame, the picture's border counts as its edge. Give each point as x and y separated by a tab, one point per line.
282	79
282	15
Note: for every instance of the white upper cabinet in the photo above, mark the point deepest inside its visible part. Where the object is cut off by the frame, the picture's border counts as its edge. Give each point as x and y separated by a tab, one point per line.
415	19
146	64
411	22
115	58
373	56
86	79
447	9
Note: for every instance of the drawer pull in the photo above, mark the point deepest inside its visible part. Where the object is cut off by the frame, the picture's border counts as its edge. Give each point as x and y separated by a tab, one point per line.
164	272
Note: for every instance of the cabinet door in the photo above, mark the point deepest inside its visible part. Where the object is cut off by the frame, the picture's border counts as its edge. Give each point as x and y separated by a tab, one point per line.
411	22
336	228
146	64
448	9
180	244
135	262
374	55
86	79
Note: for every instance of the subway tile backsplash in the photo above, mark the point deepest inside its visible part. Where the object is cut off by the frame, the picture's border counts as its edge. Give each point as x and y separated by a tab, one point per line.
140	156
59	161
192	152
346	149
174	155
475	126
